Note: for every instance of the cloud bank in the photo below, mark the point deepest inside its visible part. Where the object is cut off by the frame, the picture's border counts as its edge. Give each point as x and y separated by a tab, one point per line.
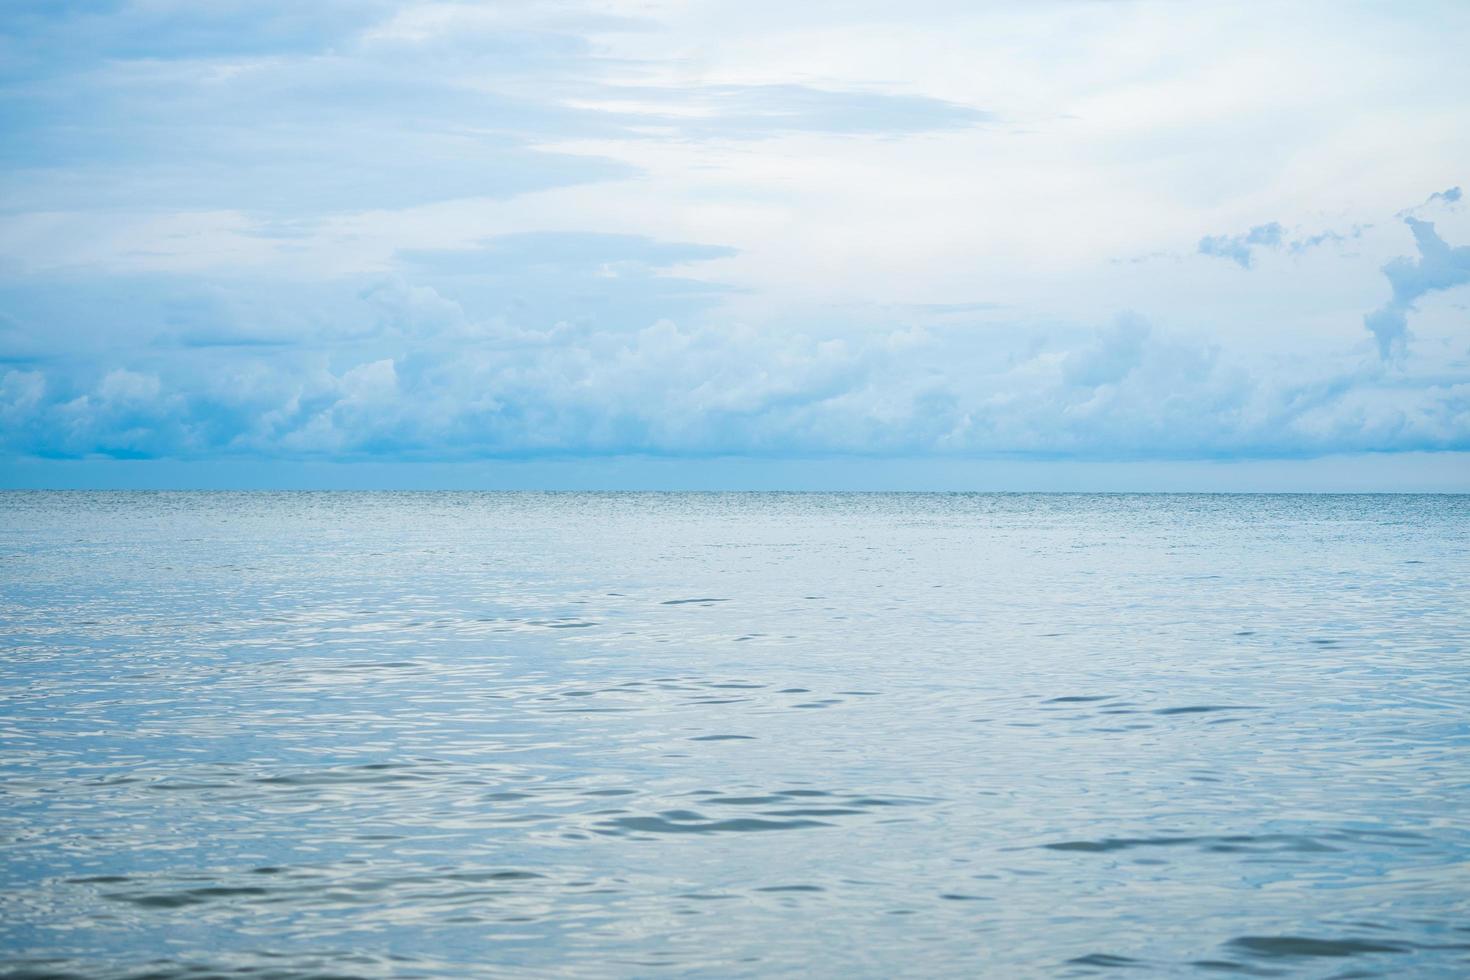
423	380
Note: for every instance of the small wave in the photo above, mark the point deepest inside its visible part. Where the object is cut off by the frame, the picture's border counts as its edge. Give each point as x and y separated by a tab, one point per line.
1106	961
683	822
1217	844
1202	709
1302	947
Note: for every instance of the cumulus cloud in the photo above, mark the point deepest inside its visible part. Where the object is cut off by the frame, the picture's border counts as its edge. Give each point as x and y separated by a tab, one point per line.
1439	266
427	382
21	393
565	343
1110	357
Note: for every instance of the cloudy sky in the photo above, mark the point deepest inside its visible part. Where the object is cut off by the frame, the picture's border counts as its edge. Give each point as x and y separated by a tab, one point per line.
269	233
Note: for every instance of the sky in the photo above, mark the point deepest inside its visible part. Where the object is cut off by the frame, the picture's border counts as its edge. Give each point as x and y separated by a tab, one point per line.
469	242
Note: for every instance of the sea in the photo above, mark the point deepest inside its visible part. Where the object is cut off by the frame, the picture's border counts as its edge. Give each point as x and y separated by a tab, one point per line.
280	735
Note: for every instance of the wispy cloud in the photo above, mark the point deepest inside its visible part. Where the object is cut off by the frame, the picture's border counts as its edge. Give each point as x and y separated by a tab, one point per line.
294	109
1271	237
1238	248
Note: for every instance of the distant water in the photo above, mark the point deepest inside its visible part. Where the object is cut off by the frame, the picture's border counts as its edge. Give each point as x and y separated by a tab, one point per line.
592	735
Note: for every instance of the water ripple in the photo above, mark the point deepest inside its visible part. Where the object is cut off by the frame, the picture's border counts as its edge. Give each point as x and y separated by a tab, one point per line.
591	735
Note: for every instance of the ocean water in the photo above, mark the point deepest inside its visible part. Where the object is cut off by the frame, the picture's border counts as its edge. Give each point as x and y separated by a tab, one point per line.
747	735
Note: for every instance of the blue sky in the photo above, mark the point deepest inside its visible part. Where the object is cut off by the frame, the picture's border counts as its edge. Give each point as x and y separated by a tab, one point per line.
268	237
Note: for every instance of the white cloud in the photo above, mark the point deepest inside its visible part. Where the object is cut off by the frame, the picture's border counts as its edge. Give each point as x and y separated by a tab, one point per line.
417	229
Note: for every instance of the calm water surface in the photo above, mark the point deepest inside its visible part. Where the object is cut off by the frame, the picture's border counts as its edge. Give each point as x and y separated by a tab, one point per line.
733	735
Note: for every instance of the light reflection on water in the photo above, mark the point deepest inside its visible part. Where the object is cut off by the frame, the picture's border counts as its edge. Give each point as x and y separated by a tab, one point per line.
733	735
